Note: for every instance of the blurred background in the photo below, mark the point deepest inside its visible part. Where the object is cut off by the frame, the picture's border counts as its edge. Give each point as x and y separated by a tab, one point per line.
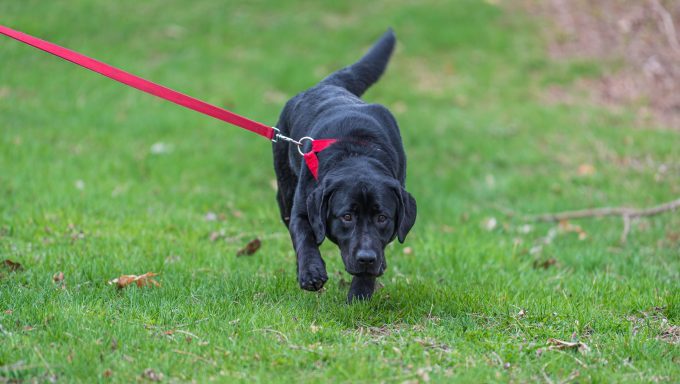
640	39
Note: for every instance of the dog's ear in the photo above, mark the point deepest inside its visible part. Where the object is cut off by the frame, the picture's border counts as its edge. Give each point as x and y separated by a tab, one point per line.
317	212
406	213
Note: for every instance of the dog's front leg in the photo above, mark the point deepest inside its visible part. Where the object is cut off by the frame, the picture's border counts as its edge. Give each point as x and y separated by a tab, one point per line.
362	288
311	269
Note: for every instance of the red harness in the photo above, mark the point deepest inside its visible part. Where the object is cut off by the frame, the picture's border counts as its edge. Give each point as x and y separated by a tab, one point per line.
169	94
310	157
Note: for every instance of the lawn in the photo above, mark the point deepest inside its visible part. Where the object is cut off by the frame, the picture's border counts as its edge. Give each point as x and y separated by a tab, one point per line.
99	180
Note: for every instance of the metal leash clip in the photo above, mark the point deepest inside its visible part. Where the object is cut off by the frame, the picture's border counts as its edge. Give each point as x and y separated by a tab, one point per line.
278	136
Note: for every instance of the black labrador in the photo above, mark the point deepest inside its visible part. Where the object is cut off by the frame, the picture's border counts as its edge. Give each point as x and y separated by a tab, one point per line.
358	200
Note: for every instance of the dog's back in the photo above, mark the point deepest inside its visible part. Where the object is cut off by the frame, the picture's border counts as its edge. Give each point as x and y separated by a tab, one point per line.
338	98
334	108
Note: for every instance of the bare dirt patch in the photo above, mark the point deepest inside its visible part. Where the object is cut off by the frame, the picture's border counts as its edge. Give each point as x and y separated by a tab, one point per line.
639	41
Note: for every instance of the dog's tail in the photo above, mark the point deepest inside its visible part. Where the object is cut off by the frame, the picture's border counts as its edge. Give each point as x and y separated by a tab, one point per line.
357	77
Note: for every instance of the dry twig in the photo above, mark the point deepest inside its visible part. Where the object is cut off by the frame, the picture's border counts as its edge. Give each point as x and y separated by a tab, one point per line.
627	214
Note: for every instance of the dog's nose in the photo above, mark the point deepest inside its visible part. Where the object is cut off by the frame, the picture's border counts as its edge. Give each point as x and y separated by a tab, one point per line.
366	257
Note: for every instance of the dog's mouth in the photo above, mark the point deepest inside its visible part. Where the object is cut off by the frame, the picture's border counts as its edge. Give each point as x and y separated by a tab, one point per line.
365	274
366	271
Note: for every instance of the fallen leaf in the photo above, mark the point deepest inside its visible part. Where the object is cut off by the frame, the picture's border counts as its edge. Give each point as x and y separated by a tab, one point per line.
408	251
12	265
107	373
250	248
521	313
58	277
586	170
561	345
8	312
152	375
544	264
141	280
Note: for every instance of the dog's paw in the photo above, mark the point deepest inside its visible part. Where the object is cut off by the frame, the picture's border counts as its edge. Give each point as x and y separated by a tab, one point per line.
312	276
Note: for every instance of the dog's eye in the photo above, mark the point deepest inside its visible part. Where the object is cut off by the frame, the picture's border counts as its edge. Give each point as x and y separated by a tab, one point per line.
382	218
347	217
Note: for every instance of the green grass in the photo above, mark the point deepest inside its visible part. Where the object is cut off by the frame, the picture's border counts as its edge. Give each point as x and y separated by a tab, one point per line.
467	85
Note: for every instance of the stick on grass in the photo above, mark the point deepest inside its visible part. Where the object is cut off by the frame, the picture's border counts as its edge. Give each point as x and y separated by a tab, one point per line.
627	214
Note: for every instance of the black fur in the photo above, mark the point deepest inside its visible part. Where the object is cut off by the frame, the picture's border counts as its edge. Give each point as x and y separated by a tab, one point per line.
362	175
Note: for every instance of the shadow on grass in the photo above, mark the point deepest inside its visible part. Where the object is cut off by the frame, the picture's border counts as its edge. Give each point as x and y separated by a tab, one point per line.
400	303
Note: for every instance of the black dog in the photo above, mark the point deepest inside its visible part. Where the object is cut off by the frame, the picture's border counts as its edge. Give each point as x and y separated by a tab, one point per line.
358	201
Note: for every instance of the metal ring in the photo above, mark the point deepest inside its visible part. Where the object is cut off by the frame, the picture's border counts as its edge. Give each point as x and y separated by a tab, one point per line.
302	141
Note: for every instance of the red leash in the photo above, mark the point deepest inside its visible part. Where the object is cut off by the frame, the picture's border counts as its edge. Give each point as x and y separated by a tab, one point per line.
158	90
142	84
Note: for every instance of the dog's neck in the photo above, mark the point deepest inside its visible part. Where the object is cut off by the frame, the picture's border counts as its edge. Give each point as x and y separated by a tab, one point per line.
339	159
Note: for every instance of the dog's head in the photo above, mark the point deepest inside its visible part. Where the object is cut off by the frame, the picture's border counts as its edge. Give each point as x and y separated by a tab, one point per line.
361	215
